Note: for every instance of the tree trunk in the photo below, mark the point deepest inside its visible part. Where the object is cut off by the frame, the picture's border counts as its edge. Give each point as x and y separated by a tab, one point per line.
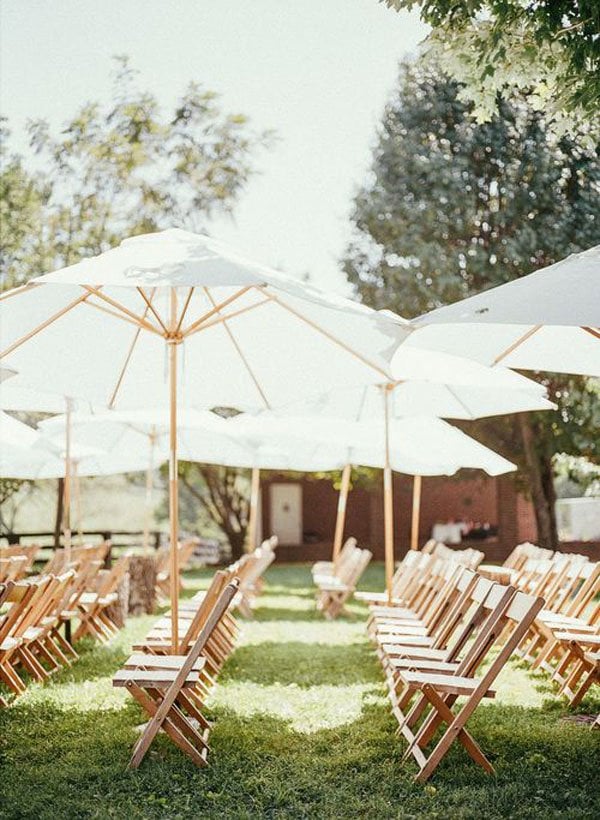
539	468
117	611
237	541
142	584
59	512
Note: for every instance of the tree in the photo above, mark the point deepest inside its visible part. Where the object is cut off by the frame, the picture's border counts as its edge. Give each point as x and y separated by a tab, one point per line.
117	169
10	488
121	169
550	48
224	492
452	207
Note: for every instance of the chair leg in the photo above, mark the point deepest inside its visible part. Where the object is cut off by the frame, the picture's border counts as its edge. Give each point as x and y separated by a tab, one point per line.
455	730
143	744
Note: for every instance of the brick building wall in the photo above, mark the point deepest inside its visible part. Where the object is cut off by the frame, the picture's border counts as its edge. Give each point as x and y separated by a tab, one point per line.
477	498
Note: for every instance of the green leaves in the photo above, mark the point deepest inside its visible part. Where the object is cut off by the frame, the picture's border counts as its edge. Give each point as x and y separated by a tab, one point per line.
121	167
550	48
452	207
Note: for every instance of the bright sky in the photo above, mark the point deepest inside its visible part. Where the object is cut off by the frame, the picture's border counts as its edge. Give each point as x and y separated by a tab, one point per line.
318	72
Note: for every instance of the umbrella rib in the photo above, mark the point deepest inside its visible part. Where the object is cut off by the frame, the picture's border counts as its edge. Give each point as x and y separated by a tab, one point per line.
195	325
44	325
184	311
220	319
127	359
119	316
516	344
16	291
132	315
325	333
240	353
150	306
594	332
460	401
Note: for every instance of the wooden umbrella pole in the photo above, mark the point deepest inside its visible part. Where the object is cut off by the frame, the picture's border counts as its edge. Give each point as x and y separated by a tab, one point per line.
77	489
340	520
416	513
388	503
173	488
67	485
253	515
149	487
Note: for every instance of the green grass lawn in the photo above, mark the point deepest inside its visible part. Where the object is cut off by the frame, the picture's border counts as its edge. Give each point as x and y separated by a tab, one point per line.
302	729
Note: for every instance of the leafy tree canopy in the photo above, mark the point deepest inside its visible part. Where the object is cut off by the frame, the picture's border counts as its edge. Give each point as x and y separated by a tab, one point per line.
120	169
549	48
451	207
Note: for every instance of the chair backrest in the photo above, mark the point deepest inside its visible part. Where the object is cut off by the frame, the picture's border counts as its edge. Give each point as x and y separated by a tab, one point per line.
18	595
38	605
583	594
465	615
13	567
111	578
347	549
359	567
514	613
263	558
215	614
216	586
186	551
14	550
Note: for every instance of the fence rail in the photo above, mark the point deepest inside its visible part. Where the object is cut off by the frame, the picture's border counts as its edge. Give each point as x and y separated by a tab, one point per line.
118	538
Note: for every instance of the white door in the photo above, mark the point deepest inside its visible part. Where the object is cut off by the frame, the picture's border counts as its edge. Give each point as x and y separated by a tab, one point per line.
286	513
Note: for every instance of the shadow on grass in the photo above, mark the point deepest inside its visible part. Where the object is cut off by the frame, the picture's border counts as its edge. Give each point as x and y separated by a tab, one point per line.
303	664
56	763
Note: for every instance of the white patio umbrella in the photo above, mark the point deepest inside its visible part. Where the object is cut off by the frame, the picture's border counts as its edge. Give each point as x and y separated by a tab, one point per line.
463	390
227	331
141	437
418	446
548	320
19	396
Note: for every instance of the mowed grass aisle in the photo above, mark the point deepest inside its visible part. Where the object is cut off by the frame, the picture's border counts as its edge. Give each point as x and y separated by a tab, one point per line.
302	729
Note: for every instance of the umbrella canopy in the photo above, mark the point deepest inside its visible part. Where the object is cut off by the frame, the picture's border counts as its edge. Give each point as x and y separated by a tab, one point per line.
249	336
181	316
19	396
418	445
15	434
499	391
462	390
549	320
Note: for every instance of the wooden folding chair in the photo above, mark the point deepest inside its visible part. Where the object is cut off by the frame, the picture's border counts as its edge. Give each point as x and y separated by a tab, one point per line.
165	693
439	692
250	575
327	568
191	622
334	592
92	606
19	550
13	568
441	652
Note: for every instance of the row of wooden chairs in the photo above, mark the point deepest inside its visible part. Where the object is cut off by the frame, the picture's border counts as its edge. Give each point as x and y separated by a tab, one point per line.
33	612
163	567
564	639
16	561
249	570
447	636
415	564
172	687
336	581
